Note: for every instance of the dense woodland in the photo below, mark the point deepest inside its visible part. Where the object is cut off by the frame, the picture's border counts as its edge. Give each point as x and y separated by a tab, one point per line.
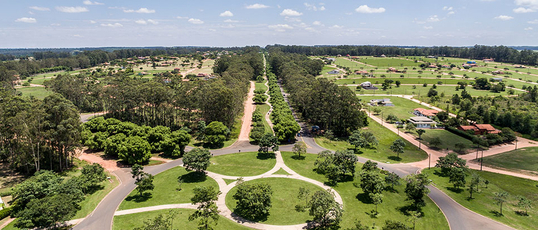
319	101
499	53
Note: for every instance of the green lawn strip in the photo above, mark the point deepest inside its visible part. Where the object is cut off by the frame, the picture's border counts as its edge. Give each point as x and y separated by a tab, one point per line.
448	139
422	91
281	172
388	62
261	86
382	153
166	189
283	200
523	160
356	207
180	220
483	201
264	108
241	164
37	92
91	201
402	80
228	181
403	108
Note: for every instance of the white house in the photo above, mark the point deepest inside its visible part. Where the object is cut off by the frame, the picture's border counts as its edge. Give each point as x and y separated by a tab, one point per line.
333	72
1	204
366	84
422	122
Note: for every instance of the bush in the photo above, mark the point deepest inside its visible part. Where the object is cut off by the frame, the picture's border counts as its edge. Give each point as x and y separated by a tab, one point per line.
468	136
5	213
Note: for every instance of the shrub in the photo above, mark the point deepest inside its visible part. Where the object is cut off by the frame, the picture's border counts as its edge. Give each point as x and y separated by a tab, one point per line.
5	213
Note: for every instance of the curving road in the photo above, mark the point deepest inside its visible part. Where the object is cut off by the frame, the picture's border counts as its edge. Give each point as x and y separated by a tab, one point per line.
459	218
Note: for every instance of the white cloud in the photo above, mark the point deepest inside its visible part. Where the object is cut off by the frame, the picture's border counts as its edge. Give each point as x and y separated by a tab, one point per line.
433	18
227	14
365	9
196	21
78	36
337	27
140	11
448	8
292	19
70	9
26	20
281	27
115	25
314	7
55	24
451	13
256	6
90	3
145	22
528	28
316	23
230	21
428	27
179	17
522	10
311	29
92	22
39	8
504	17
290	12
533	22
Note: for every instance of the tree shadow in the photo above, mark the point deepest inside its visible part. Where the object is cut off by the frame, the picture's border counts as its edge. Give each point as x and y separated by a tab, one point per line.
364	198
93	189
456	190
410	207
193	177
391	189
265	156
295	157
139	198
248	215
522	213
496	213
395	158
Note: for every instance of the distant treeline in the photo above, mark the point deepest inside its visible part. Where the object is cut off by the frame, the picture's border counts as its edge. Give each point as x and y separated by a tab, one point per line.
499	53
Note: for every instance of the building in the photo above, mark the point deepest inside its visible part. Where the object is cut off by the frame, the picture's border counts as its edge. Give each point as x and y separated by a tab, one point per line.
361	72
422	122
333	72
471	62
430	113
497	79
381	102
368	85
331	59
488	60
1	204
479	129
432	66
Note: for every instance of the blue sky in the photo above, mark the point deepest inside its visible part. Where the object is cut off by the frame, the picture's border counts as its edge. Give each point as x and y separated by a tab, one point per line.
95	23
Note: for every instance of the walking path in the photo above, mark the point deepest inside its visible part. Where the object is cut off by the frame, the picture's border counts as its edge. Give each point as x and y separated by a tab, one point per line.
247	116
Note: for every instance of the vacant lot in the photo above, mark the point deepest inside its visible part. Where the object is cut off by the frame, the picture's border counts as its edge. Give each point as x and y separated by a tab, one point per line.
525	160
448	139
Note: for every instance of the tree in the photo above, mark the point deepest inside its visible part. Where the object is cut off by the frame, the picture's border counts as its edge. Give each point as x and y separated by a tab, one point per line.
413	217
377	110
135	150
286	129
114	144
459	147
216	133
359	226
362	139
442	115
524	203
398	146
391	118
393	179
207	209
500	198
324	209
377	198
137	171
267	141
304	193
253	200
144	183
47	212
473	184
337	165
371	182
420	132
415	188
174	144
299	148
450	161
432	92
457	177
161	221
91	176
436	142
394	225
410	127
398	83
369	166
197	160
260	98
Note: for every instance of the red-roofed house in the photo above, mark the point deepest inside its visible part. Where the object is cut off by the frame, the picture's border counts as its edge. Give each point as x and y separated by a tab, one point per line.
469	128
425	112
480	129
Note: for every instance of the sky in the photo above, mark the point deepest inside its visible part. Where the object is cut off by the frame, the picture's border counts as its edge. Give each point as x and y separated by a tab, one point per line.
135	23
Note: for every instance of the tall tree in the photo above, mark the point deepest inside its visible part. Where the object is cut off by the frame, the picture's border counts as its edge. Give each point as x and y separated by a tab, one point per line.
205	198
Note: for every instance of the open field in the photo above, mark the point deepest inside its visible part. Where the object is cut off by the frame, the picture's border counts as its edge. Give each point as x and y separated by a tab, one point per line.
166	189
180	220
387	62
415	81
403	108
37	92
382	153
358	207
448	139
420	90
483	202
241	164
284	199
523	160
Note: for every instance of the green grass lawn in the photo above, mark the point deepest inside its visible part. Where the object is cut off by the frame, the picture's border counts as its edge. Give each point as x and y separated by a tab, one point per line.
37	92
180	220
357	207
523	160
483	203
241	164
402	80
448	139
284	199
166	189
388	62
403	108
382	153
261	86
264	108
422	91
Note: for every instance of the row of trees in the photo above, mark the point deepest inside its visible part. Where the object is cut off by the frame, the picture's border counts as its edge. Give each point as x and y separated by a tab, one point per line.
284	123
499	53
319	101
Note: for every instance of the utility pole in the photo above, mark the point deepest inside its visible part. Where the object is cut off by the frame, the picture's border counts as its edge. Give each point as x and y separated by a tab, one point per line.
429	160
516	144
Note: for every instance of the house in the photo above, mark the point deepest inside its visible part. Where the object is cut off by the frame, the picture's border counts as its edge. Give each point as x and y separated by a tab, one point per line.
479	129
361	72
333	72
432	66
331	59
368	85
520	66
432	57
383	56
471	62
497	72
1	204
430	113
488	60
496	79
202	75
422	122
446	66
381	102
